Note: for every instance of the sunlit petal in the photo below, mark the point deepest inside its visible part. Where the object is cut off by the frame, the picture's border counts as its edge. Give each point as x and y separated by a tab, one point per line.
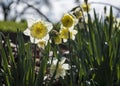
46	37
30	22
62	60
27	32
66	66
33	40
49	25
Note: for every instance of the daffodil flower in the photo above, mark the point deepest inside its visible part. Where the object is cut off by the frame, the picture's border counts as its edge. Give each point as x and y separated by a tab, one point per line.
38	30
86	7
66	33
68	20
78	13
60	68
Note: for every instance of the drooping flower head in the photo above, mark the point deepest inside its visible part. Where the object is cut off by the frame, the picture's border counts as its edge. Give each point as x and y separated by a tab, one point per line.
60	68
38	30
68	20
42	44
86	7
78	13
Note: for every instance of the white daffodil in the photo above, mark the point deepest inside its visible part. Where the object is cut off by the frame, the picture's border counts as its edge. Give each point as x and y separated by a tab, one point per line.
60	68
69	20
65	33
38	30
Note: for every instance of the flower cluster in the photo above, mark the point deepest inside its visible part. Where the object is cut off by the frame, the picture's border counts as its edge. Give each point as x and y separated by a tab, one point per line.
40	32
67	30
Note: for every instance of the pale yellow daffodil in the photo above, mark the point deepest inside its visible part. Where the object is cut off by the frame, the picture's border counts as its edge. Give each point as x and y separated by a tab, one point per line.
65	33
68	20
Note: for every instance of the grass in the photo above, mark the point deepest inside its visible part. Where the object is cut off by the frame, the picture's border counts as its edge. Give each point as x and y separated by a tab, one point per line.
11	26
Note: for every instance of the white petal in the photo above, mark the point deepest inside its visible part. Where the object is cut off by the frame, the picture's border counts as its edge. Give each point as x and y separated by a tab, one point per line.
33	40
62	60
63	74
64	40
38	20
66	66
30	22
46	41
74	32
73	37
61	26
55	61
50	53
43	45
46	37
49	61
27	32
45	77
40	46
49	26
71	28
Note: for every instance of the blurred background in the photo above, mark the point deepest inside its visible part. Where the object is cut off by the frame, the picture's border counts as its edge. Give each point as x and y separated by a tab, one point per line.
51	10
